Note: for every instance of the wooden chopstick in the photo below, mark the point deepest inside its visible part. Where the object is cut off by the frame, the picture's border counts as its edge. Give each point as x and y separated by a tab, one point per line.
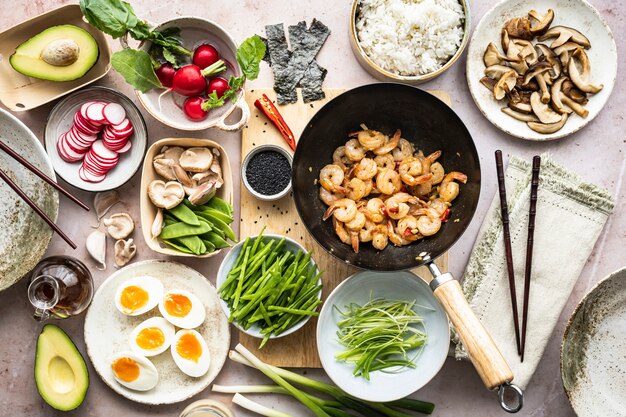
34	206
40	174
534	186
507	246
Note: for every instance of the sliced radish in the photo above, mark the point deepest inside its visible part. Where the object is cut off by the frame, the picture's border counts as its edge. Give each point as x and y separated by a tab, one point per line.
85	137
103	163
95	114
86	127
125	148
99	149
123	125
76	142
114	113
86	175
63	154
83	109
71	153
95	166
123	133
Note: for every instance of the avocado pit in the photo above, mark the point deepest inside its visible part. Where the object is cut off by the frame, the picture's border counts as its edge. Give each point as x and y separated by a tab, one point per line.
61	52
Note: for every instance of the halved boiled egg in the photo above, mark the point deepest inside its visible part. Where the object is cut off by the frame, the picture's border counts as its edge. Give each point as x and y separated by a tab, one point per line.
190	353
134	371
152	336
182	309
138	295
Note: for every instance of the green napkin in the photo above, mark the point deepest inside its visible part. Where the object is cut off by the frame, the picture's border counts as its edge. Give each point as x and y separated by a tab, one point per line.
570	216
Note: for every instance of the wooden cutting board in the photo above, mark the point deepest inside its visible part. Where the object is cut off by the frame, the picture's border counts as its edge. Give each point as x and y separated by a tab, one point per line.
298	349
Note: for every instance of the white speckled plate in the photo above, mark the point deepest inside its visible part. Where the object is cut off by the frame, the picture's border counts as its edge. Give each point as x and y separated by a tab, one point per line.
24	237
107	331
593	353
577	14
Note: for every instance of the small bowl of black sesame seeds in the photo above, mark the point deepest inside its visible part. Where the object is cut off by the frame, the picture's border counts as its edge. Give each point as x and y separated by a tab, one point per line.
266	172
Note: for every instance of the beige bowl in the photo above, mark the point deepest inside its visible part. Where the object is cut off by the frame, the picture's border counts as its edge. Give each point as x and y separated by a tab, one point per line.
374	69
148	210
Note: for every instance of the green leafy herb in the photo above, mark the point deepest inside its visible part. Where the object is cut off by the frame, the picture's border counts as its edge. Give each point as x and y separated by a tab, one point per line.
136	68
249	55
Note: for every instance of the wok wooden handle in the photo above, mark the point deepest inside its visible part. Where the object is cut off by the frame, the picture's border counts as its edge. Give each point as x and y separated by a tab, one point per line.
482	350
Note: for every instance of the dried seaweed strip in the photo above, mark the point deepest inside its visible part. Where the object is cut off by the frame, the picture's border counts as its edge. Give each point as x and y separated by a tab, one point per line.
305	44
266	57
311	83
279	57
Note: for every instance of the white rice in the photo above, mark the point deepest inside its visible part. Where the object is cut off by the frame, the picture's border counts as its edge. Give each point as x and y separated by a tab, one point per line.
410	37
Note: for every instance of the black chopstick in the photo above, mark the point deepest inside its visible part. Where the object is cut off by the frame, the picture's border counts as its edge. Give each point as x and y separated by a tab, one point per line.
34	206
534	186
507	246
40	174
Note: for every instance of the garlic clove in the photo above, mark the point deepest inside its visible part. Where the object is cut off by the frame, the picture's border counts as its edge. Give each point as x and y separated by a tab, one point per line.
96	247
103	202
157	224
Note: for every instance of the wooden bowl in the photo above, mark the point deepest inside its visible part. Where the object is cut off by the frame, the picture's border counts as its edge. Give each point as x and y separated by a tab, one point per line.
148	210
19	92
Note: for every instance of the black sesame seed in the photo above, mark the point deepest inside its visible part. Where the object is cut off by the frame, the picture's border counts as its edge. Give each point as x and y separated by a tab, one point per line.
268	172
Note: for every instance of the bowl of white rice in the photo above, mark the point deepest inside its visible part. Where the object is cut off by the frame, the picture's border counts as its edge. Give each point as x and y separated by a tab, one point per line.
408	41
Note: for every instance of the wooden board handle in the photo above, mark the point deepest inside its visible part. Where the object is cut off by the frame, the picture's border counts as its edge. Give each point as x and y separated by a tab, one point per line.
481	349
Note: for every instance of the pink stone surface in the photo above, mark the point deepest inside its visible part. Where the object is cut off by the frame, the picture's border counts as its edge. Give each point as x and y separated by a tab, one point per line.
596	152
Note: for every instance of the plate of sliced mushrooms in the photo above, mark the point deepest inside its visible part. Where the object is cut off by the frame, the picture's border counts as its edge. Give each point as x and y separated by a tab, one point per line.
541	70
179	173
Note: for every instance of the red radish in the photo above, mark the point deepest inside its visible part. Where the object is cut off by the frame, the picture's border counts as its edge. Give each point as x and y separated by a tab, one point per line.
114	113
193	108
165	74
189	81
219	85
205	55
94	113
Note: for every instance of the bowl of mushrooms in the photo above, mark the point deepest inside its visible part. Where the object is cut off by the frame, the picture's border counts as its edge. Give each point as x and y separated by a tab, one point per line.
178	173
541	71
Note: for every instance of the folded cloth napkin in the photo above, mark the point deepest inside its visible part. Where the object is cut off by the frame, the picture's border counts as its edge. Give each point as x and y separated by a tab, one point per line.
570	216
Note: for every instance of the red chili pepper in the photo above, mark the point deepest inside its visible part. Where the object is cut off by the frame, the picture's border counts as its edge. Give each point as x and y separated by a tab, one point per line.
271	112
408	232
445	215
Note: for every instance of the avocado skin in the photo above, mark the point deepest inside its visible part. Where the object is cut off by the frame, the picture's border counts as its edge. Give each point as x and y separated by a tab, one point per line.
27	56
65	348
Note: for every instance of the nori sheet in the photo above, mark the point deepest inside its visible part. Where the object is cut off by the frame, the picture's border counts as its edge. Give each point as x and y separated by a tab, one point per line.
311	83
280	55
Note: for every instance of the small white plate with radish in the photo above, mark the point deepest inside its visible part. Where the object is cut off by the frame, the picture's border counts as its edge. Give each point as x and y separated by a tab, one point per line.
96	139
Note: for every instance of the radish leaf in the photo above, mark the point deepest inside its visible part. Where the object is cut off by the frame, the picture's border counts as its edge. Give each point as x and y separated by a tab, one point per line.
136	68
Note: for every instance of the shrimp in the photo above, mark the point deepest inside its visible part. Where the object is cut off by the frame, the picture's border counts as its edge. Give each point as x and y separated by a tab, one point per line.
388	181
371	139
411	172
354	151
403	150
374	210
366	169
396	206
390	145
343	209
331	178
366	234
328	197
438	173
439	206
429	223
396	239
357	223
355	189
408	228
349	238
385	161
340	159
369	186
449	190
429	160
380	237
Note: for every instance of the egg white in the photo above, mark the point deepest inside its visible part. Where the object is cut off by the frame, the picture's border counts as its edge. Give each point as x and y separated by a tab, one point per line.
189	367
193	319
148	374
151	285
166	327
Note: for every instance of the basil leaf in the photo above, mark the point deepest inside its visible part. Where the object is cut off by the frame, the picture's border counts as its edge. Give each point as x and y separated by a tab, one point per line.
249	55
113	17
136	68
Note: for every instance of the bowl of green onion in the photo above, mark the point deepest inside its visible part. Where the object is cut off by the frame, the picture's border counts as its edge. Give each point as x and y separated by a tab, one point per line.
269	286
382	335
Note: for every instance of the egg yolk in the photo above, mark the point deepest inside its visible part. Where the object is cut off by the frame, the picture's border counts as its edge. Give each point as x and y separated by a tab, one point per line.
177	305
150	338
125	369
188	347
133	298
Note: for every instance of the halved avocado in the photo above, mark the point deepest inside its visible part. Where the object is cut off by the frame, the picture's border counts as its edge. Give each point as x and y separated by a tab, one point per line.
59	53
60	370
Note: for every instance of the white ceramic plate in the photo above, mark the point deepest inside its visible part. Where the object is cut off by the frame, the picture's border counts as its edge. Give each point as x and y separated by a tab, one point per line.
592	353
360	288
228	263
60	120
107	331
577	14
24	237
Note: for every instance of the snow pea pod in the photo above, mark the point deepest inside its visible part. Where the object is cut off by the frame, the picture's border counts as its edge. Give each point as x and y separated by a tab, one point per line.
185	214
194	243
177	246
182	229
210	247
220	205
219	224
215	239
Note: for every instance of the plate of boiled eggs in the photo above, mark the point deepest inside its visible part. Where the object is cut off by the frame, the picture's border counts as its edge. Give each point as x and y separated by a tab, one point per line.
155	332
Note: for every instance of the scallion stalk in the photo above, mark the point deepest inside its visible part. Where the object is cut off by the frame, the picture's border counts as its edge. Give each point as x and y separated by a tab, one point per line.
257	408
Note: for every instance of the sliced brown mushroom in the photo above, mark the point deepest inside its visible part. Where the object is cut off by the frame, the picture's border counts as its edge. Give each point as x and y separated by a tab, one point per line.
543	111
164	167
550	57
570	90
520	102
171	152
527	51
564	52
544	22
519	27
521	107
166	195
490	83
548	128
530	86
581	77
524	117
125	250
564	34
496	71
515	59
493	57
504	84
537	72
119	225
196	159
504	40
555	96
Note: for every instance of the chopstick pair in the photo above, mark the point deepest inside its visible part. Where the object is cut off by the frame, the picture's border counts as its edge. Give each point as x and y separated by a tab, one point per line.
534	186
30	202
